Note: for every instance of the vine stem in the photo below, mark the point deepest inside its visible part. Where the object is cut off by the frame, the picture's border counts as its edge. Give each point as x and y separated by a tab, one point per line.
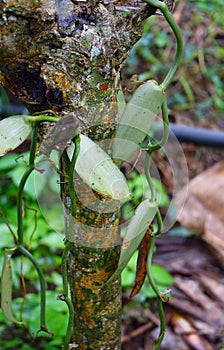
20	231
149	178
26	253
41	118
159	299
157	146
71	187
22	185
166	126
159	223
38	118
149	265
66	298
162	324
46	111
167	80
169	18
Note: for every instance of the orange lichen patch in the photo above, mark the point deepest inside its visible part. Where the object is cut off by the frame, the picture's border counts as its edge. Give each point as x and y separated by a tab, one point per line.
63	83
25	4
114	107
110	237
91	237
79	292
91	216
82	206
100	233
103	87
78	217
87	314
95	281
116	222
83	220
3	81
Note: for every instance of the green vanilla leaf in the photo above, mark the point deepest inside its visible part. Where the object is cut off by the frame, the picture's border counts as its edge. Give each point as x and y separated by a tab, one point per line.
121	104
98	171
14	130
136	230
137	119
6	287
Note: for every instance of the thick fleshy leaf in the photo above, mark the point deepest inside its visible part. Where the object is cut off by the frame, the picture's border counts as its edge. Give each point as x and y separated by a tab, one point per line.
97	170
121	104
6	287
136	229
13	131
136	120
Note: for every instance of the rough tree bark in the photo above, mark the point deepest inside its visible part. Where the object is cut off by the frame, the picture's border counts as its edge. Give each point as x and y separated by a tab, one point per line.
66	56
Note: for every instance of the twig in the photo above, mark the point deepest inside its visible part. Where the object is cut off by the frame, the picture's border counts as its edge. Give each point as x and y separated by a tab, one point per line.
7	224
137	332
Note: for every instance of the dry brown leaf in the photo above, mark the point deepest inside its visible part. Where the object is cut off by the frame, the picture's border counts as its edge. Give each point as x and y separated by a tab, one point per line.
204	208
143	251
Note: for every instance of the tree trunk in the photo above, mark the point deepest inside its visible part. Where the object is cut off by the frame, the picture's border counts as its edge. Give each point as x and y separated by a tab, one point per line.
66	56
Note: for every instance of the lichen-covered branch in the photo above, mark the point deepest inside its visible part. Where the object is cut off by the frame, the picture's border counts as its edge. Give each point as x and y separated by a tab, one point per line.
64	55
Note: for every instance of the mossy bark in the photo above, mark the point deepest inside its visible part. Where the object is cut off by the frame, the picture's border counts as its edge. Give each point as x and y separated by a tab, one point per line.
67	56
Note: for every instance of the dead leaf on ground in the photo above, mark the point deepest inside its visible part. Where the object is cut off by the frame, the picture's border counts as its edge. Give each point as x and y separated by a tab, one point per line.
204	208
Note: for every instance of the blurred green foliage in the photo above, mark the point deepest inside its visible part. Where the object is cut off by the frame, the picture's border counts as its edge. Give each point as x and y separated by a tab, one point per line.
46	246
198	87
140	190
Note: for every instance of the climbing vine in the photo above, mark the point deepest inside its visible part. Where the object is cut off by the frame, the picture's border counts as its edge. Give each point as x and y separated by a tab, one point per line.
100	172
136	120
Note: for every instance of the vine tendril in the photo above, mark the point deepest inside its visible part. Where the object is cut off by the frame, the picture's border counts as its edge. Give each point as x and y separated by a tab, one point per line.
26	253
22	185
41	118
72	194
149	178
65	296
20	230
154	147
158	296
71	173
166	125
169	18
